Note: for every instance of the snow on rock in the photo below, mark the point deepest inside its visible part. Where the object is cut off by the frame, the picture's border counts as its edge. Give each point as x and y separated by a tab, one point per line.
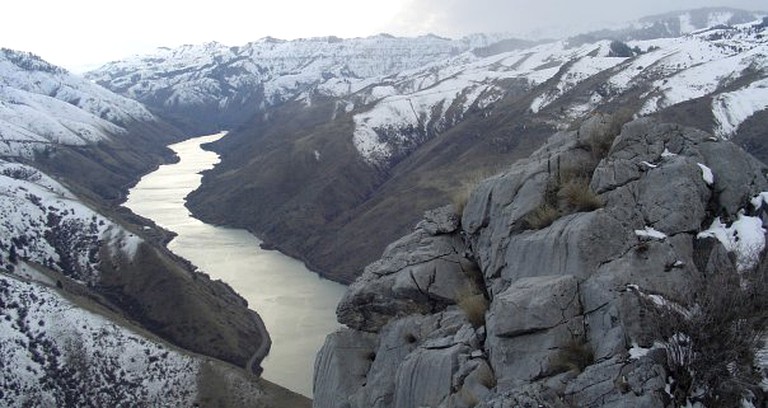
760	199
667	153
650	233
57	354
636	352
43	222
706	174
745	237
41	104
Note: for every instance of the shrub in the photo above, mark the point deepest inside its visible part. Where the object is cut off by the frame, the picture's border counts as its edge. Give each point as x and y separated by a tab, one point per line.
573	356
621	50
541	217
711	346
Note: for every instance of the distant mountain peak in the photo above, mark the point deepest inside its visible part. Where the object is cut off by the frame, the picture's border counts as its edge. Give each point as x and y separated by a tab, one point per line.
30	62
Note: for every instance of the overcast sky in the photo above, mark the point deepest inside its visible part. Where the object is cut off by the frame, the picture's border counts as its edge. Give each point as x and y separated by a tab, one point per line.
79	34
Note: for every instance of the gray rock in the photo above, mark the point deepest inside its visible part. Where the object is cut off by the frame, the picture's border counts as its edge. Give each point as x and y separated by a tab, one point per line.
396	341
420	273
673	197
737	175
425	377
615	383
534	304
582	280
341	367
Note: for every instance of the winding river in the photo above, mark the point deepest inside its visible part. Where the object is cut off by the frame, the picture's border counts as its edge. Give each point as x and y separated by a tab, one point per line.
297	306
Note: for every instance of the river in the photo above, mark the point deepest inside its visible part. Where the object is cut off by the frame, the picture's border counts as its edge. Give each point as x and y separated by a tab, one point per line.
297	306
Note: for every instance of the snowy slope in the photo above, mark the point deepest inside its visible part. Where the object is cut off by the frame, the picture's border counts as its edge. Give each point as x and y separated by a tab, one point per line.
41	104
42	222
57	354
667	71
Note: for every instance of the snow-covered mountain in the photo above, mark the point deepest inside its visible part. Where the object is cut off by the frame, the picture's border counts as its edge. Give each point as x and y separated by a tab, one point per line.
228	84
725	63
41	104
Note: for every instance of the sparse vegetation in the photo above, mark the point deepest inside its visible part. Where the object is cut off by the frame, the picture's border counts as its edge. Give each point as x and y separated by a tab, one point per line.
576	196
459	198
574	355
473	303
567	189
542	217
711	347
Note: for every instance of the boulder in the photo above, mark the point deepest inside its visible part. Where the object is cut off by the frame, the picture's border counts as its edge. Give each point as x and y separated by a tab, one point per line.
529	323
420	273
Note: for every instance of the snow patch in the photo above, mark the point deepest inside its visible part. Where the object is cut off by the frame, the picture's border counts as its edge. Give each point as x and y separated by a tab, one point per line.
745	238
667	153
706	174
760	199
651	233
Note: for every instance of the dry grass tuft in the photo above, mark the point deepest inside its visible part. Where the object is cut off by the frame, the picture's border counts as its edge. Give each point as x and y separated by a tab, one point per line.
573	356
578	197
474	305
541	217
459	198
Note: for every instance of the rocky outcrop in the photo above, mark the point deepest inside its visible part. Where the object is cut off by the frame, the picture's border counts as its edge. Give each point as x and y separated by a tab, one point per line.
502	309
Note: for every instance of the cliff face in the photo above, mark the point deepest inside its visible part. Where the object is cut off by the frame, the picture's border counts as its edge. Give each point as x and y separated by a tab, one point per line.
567	280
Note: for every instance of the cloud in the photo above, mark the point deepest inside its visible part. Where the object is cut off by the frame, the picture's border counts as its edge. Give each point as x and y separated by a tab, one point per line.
86	33
460	17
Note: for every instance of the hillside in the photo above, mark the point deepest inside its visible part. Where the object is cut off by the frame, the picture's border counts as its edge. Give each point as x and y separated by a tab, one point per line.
86	287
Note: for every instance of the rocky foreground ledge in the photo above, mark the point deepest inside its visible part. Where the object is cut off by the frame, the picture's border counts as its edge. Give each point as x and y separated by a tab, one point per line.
575	278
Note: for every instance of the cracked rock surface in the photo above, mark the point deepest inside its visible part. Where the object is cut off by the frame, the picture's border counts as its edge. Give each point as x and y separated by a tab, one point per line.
484	310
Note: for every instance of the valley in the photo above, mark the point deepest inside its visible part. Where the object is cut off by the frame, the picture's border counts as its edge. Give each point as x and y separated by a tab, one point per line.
296	305
387	221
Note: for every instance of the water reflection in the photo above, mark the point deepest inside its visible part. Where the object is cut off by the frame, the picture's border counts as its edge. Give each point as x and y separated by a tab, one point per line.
295	304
